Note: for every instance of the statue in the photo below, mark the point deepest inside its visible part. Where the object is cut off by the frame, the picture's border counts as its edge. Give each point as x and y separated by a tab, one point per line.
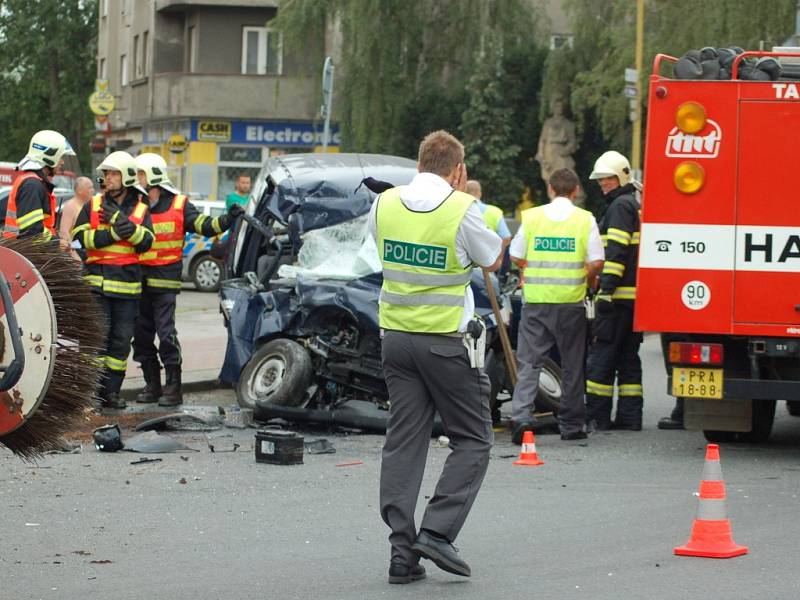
557	142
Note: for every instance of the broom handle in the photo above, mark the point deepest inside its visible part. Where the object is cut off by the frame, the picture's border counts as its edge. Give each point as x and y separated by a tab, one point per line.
505	342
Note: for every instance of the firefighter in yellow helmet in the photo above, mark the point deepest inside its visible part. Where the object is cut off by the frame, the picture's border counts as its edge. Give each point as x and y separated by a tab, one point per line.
115	229
172	215
615	352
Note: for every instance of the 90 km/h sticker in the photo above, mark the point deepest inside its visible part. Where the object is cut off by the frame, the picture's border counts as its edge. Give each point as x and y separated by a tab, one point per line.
696	295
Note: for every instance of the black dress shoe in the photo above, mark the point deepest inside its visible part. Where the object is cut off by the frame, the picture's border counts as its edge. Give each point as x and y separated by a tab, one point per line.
443	554
575	435
518	429
402	573
670	423
626	426
595	425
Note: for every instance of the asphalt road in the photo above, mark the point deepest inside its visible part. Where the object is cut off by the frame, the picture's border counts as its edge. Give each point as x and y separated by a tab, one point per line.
598	521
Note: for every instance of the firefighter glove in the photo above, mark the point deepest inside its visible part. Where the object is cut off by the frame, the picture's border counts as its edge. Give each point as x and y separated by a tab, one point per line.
235	210
124	228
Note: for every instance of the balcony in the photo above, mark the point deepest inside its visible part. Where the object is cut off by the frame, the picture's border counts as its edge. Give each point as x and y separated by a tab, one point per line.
182	5
233	96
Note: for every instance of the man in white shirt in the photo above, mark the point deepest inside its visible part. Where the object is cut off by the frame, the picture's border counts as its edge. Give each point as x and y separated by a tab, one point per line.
560	249
429	234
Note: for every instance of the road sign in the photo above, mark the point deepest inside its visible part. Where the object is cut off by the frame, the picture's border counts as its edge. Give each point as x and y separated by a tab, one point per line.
631	75
102	102
631	91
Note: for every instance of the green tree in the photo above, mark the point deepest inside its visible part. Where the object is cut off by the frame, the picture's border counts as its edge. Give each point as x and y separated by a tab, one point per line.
47	69
488	129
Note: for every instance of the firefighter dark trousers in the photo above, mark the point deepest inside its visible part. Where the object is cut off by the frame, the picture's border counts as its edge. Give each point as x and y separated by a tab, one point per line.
617	356
157	317
428	374
121	319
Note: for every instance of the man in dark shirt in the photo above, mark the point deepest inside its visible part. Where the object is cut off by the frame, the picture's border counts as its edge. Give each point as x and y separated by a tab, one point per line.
115	228
172	215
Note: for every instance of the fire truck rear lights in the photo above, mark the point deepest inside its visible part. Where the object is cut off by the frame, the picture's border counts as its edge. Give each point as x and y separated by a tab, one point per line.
661	92
689	177
686	353
690	117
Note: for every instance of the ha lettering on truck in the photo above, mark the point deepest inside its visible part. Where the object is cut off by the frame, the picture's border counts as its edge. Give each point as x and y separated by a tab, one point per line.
719	264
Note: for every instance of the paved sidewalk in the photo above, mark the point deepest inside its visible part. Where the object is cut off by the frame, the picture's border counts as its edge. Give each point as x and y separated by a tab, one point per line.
203	337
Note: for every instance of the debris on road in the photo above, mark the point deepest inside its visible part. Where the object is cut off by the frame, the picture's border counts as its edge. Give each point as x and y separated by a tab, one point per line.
221	442
277	447
151	442
143	461
351	464
108	438
194	420
320	446
238	417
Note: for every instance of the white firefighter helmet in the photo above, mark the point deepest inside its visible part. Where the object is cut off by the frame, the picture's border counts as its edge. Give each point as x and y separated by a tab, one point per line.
122	162
155	171
46	148
611	164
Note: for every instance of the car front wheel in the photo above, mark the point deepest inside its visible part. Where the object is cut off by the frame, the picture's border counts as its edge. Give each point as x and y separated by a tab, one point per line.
279	372
206	273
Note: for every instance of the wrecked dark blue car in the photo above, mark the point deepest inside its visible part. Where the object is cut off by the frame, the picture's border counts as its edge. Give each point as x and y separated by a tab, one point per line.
301	303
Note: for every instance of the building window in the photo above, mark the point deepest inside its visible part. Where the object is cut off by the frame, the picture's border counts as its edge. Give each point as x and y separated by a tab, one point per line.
123	70
261	51
234	161
560	40
102	70
135	57
190	49
145	40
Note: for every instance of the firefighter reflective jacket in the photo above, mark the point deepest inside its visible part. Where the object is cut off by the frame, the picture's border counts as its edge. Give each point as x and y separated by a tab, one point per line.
113	263
173	216
619	229
32	208
555	271
423	281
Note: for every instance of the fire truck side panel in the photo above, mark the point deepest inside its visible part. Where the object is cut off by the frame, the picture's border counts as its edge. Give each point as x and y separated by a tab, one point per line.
767	269
686	278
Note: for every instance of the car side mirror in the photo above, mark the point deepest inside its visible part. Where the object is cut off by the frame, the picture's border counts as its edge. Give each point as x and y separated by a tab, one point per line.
295	226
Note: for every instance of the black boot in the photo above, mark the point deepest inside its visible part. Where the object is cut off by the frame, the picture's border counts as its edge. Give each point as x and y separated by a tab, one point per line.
172	395
152	383
114	401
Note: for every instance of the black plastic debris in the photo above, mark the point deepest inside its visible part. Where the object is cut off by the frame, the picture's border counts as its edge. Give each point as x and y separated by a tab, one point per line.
320	446
108	438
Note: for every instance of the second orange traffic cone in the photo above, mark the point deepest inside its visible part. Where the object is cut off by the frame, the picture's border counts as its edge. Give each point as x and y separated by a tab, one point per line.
711	532
528	456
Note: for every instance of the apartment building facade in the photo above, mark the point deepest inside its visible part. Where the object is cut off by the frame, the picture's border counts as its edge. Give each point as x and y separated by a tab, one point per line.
209	85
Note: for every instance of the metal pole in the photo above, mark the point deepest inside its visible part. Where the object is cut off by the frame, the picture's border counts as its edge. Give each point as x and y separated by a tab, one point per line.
327	98
636	148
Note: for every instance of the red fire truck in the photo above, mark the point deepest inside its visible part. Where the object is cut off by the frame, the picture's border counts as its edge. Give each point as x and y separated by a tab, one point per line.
719	262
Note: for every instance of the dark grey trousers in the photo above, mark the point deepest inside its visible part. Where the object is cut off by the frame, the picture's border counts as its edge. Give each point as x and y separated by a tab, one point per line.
426	374
541	326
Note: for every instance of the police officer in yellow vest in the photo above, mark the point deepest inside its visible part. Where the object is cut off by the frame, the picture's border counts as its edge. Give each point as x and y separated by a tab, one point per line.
560	249
492	215
173	215
115	228
429	233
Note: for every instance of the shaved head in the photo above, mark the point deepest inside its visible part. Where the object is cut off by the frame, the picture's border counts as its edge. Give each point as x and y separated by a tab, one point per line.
474	188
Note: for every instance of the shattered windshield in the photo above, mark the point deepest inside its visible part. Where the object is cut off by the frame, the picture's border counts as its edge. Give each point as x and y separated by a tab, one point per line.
345	251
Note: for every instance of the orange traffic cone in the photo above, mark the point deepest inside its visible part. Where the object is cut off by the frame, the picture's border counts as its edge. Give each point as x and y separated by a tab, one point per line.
711	532
527	455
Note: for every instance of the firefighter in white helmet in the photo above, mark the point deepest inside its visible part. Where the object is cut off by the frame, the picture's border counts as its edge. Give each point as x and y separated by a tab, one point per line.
115	229
173	215
31	208
615	352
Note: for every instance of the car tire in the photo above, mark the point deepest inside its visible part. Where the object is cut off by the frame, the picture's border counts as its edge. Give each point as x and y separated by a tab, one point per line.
549	397
278	373
206	273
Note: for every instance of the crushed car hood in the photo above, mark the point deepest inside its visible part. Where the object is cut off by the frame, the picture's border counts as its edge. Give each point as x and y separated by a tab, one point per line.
324	189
